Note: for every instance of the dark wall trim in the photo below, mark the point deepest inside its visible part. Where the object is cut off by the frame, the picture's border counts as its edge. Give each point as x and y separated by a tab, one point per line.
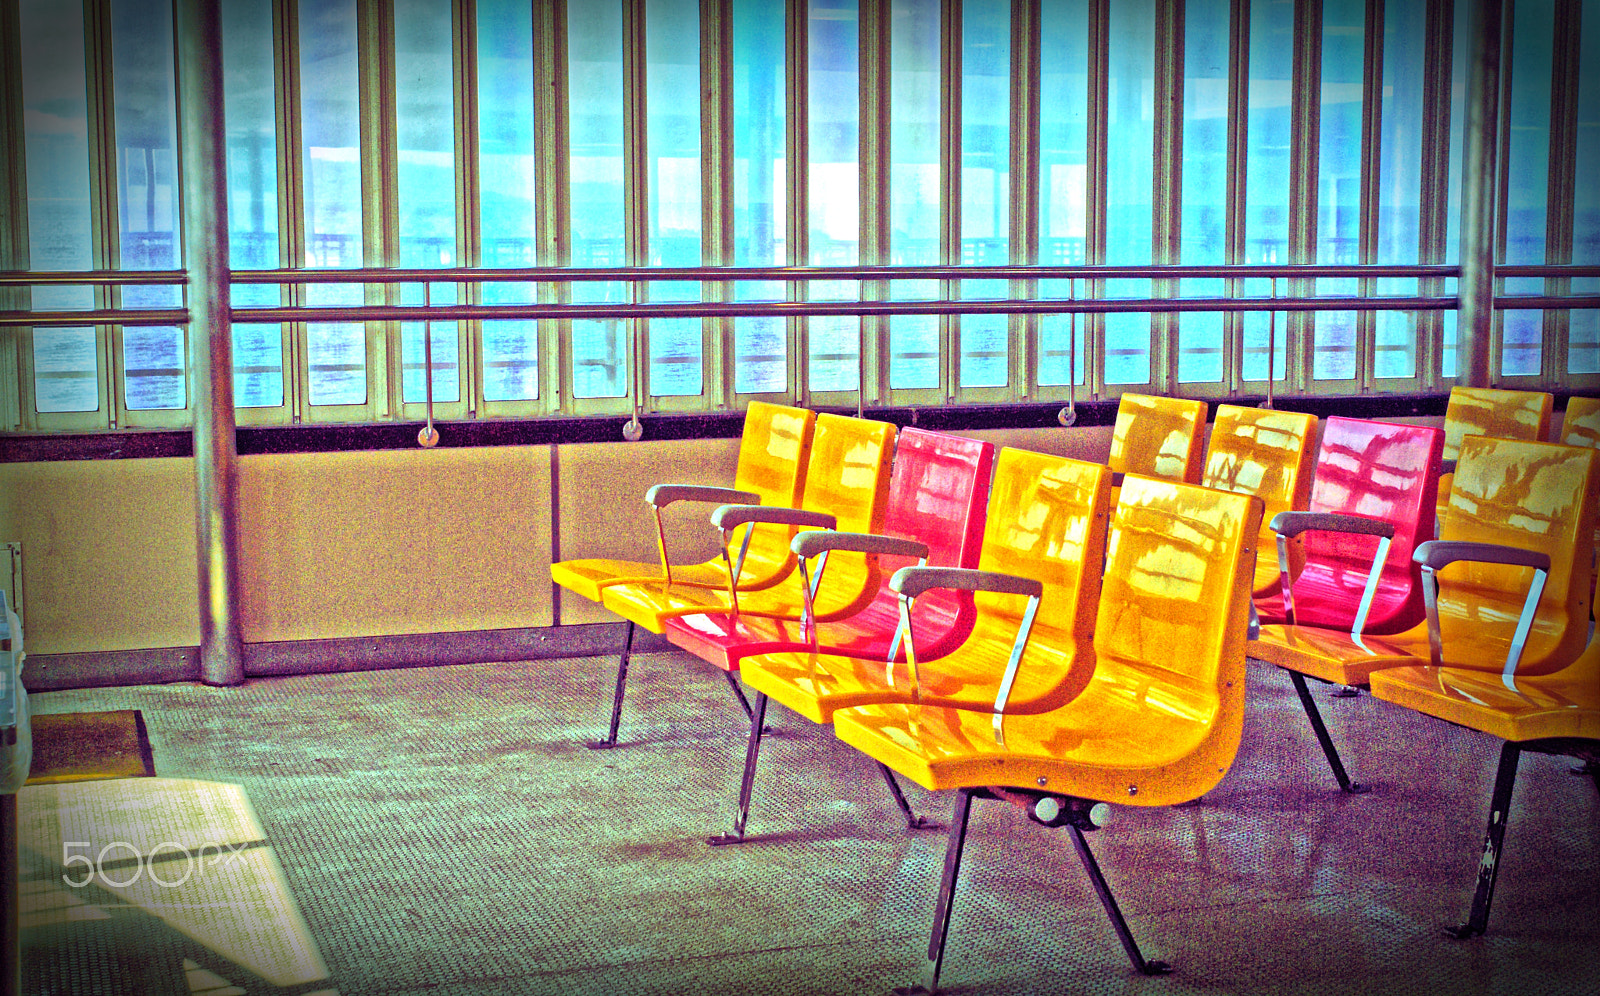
140	444
115	668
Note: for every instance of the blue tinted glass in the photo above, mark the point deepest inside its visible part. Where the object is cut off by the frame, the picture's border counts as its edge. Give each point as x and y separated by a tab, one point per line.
1205	161
834	189
1129	191
914	95
1527	176
985	180
594	62
673	73
760	214
1339	181
1063	175
1583	331
1400	181
1266	223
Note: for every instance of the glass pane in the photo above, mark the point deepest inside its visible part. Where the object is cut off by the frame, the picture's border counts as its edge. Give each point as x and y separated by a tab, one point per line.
985	179
914	95
1339	182
446	359
1461	49
507	190
1527	173
1400	182
672	43
759	206
594	61
1129	151
146	128
152	375
337	356
1063	180
1267	173
835	130
257	366
1583	332
65	370
1205	162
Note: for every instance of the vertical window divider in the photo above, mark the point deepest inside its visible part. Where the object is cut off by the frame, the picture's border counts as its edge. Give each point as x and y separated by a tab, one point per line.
1560	194
716	200
552	219
874	68
797	87
1371	183
950	192
1024	179
1233	234
1433	224
1094	245
16	380
636	193
291	195
1304	146
469	230
1167	196
380	219
103	197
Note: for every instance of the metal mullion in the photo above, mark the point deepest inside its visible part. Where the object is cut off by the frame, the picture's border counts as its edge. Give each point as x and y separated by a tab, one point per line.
104	235
716	195
380	221
1024	179
1371	167
1167	195
1560	193
552	223
950	64
874	74
1237	174
797	146
1304	159
291	195
1434	180
469	231
636	194
1096	155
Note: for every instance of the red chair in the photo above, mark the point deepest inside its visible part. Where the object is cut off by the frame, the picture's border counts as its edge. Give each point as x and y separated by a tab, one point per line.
938	490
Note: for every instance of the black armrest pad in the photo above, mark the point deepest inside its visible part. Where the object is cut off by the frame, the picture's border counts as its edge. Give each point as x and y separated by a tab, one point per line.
809	544
1292	524
662	495
1435	554
729	516
913	581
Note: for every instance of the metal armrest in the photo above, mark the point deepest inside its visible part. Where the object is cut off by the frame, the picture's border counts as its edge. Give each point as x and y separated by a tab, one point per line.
1435	554
1290	524
730	516
662	495
913	581
810	544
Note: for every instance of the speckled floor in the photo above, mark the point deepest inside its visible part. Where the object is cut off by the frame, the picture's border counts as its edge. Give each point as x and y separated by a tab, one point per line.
444	831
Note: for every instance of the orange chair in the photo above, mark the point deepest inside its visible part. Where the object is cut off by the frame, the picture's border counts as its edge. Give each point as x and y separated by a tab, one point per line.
1483	411
1046	526
1498	642
1160	720
1156	436
846	487
1266	453
1581	427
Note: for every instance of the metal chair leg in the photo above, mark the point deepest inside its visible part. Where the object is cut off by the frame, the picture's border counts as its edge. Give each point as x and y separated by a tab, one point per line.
747	782
1321	731
1109	901
738	693
947	889
1489	865
913	821
616	696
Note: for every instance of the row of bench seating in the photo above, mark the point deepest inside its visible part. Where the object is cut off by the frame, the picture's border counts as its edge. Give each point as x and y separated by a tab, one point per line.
1058	636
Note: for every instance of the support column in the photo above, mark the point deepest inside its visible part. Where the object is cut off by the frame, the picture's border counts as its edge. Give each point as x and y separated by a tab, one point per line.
1475	306
201	135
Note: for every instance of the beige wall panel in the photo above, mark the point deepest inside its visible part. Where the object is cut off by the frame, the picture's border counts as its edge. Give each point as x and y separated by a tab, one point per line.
394	542
1091	442
603	513
108	552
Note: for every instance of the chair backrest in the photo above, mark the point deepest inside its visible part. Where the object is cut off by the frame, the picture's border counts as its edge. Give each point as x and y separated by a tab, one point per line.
1483	411
1047	520
847	476
1158	437
1266	453
1581	425
773	457
1387	471
1534	496
1174	602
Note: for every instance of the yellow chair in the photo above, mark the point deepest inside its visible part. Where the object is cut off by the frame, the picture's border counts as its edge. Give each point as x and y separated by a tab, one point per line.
770	471
846	488
1483	411
1160	720
1266	453
1478	675
1156	436
1046	525
1581	427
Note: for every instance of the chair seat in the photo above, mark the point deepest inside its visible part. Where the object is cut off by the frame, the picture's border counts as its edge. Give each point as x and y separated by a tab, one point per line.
725	639
588	577
1126	739
1333	655
818	685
